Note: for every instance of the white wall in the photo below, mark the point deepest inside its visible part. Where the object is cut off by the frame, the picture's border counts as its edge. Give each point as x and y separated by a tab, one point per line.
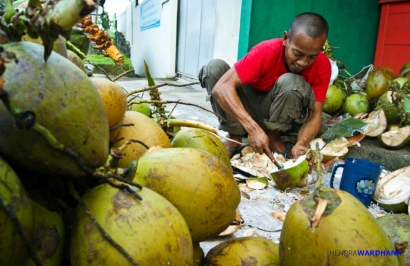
228	16
157	46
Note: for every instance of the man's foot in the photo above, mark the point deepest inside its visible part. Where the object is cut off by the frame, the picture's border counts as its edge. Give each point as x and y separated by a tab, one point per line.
277	145
231	146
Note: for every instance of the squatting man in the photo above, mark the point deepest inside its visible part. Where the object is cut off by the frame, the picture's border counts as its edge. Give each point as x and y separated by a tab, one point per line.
278	84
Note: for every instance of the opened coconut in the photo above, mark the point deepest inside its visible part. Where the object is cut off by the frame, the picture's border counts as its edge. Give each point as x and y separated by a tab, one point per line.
150	231
377	123
395	138
292	174
14	197
332	150
203	140
199	184
244	251
64	102
393	190
397	227
385	102
142	133
330	227
405	70
378	81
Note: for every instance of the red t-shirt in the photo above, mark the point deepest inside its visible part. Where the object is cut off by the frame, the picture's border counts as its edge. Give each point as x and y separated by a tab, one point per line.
264	64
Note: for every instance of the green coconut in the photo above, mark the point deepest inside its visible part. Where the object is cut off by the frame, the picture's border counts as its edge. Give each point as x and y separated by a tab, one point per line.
137	106
244	251
203	140
378	81
397	227
13	196
200	185
48	236
334	99
356	103
391	111
151	231
334	237
64	101
292	174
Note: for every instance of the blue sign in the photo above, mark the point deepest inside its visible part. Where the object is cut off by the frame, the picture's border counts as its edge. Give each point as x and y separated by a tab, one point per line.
150	14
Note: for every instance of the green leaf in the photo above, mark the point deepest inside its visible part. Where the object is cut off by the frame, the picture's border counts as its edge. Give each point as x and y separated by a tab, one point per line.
149	78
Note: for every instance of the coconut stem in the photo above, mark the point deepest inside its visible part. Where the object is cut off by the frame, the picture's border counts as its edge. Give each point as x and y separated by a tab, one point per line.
190	123
67	13
158	86
320	209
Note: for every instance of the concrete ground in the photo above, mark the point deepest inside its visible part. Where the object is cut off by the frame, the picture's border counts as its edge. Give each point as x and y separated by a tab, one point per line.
258	206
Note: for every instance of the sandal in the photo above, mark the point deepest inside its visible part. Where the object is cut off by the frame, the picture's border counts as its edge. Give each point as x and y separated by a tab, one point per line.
234	150
287	149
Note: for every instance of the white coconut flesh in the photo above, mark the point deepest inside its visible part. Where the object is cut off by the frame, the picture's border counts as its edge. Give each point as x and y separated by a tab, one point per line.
290	163
377	123
394	187
396	136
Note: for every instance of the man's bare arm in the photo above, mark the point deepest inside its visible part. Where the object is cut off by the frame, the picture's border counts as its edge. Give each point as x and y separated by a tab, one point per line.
227	97
309	130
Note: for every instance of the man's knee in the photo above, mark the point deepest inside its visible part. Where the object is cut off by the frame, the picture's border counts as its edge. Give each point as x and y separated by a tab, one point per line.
289	81
210	73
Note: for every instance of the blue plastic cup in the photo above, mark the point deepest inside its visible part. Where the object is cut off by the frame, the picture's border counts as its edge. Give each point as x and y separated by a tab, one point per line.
359	178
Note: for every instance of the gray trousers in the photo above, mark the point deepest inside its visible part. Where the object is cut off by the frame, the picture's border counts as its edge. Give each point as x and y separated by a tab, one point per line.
287	102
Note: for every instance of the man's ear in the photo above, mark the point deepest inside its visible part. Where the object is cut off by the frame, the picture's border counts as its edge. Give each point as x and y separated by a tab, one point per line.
285	38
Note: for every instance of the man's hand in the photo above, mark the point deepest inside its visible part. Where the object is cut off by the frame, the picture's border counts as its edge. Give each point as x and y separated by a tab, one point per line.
259	142
298	150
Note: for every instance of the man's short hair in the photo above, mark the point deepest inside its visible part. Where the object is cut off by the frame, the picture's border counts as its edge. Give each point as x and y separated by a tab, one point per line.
312	23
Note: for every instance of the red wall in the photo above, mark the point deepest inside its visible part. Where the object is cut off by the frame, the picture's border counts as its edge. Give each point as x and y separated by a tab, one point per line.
393	42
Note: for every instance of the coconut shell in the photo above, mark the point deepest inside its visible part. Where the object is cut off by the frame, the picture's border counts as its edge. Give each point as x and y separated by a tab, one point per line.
244	251
385	102
377	122
393	190
345	226
395	138
292	175
151	231
64	101
197	183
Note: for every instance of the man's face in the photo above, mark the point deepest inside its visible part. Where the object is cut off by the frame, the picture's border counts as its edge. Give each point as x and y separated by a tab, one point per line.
301	50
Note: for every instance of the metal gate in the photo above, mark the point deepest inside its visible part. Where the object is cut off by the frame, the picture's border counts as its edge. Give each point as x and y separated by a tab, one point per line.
196	35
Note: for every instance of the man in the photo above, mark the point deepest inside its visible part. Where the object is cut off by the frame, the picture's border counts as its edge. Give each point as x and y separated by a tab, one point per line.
279	82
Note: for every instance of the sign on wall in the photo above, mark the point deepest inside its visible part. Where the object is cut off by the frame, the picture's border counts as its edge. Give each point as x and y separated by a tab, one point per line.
150	14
